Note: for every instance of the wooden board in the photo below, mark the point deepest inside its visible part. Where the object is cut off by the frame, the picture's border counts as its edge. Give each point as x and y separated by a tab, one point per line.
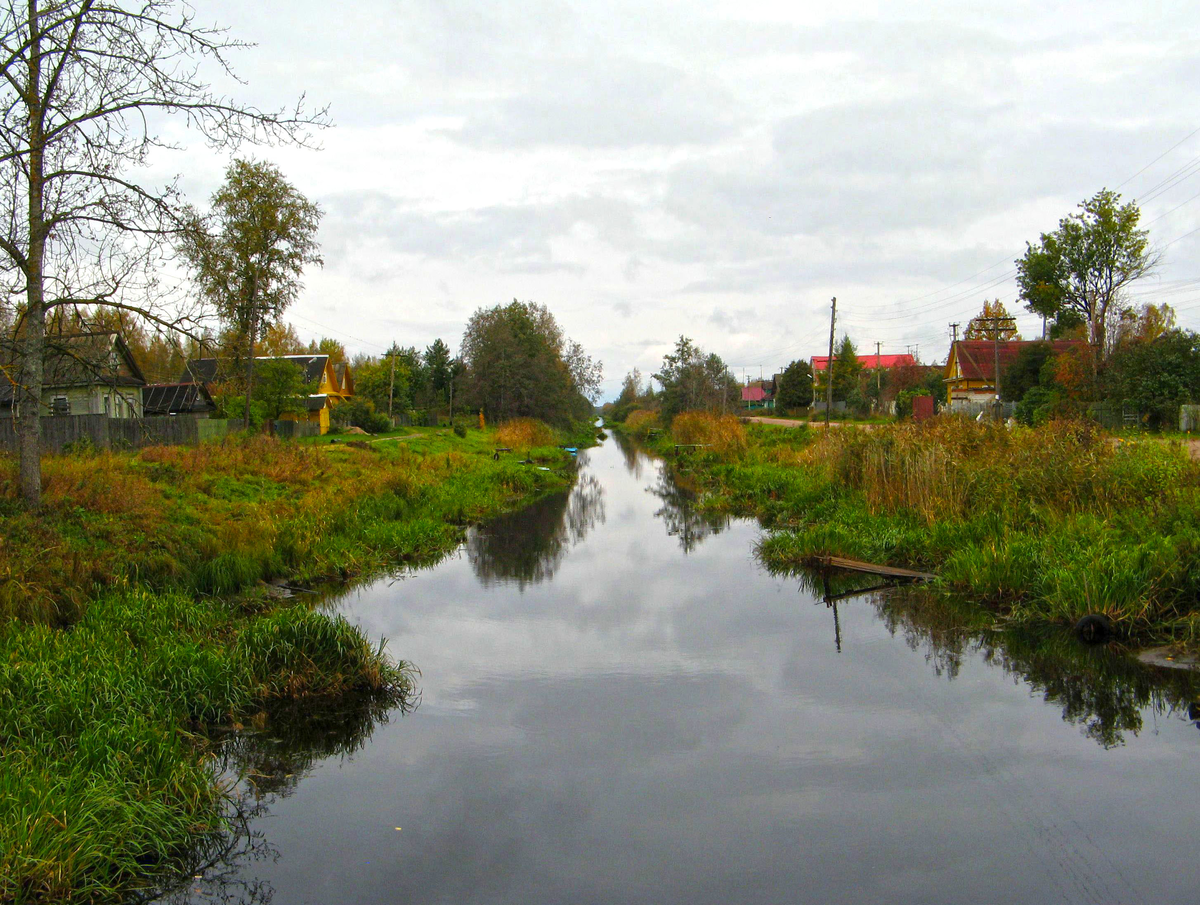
854	565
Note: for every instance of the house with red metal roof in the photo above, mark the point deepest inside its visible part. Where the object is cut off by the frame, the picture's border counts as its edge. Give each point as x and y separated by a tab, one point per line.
869	362
757	396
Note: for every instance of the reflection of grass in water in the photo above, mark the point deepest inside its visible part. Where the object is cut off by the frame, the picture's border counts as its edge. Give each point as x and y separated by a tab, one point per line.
1100	689
265	763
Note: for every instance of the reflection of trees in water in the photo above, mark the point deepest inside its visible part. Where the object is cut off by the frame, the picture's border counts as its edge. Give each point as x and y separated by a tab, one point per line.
1101	690
635	459
262	766
528	546
679	512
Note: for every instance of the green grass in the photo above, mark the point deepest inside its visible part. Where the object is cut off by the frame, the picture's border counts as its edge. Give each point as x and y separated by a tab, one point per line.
1041	525
132	627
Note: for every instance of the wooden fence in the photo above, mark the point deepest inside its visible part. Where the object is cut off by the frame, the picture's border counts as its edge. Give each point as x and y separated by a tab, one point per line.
104	432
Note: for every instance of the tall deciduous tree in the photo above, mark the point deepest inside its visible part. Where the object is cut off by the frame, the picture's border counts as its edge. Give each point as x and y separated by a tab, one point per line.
692	380
1081	269
516	361
249	253
82	84
992	323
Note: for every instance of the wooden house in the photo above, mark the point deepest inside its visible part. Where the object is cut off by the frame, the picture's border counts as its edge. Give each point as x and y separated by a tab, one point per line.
332	384
83	374
820	363
971	367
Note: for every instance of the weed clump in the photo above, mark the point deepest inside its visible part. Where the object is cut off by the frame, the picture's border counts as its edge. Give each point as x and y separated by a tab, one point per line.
1043	524
639	421
525	433
723	435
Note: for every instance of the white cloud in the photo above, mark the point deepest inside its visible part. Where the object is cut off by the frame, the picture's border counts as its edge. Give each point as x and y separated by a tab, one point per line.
653	169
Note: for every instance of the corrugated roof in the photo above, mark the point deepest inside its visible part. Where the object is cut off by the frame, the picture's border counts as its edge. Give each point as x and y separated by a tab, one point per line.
977	357
176	399
821	362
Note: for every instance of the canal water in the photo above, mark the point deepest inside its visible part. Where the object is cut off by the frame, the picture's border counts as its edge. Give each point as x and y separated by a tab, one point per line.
620	705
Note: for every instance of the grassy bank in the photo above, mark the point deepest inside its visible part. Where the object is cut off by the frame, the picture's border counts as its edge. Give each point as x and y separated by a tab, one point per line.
132	622
1041	525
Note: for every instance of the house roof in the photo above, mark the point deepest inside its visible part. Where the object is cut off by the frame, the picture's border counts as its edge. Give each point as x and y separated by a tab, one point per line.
176	398
215	370
316	402
821	362
753	394
75	360
977	357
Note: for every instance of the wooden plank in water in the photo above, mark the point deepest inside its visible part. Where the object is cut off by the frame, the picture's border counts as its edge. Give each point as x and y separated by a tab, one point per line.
854	565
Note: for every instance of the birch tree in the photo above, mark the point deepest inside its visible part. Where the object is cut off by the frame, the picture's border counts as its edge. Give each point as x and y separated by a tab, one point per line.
84	84
249	253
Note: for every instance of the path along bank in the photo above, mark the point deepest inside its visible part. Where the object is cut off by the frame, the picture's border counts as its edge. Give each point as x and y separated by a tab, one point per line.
134	620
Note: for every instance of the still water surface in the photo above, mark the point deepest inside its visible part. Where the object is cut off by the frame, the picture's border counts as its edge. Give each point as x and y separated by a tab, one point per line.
619	705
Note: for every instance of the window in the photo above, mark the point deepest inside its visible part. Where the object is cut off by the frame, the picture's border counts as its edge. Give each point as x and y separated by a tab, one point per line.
107	405
60	405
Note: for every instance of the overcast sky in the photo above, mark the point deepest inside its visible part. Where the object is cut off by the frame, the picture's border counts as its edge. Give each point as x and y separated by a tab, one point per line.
715	169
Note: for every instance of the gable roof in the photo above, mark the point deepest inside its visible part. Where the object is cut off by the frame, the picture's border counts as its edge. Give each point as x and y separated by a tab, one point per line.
75	360
753	394
176	399
887	362
977	357
216	370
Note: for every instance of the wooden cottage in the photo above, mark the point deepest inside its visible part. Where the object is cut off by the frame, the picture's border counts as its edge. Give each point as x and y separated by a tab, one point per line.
971	367
83	374
333	383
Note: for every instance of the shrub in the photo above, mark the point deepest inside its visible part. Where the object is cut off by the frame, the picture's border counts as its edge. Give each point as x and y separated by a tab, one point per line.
361	413
639	421
525	433
724	434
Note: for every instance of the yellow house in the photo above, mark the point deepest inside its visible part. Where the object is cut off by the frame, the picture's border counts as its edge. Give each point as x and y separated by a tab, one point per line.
334	383
971	367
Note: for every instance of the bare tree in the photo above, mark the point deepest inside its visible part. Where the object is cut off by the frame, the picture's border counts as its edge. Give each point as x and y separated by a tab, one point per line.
83	84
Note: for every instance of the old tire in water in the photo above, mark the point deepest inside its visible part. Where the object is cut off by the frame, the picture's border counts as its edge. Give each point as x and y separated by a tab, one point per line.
1095	628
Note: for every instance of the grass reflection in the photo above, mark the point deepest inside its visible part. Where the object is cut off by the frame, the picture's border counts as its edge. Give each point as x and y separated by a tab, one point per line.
1102	690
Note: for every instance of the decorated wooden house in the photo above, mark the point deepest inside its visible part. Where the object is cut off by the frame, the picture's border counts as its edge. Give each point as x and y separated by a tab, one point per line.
333	384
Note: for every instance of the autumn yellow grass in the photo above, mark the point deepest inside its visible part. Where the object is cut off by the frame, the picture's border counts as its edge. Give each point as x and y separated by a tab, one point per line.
721	434
525	433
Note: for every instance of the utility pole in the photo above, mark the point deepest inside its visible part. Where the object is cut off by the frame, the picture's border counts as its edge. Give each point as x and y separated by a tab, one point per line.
829	364
997	326
878	371
392	379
